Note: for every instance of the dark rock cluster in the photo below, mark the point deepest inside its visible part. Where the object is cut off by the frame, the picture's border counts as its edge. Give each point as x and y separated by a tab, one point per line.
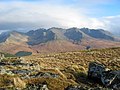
109	78
104	78
85	88
45	75
36	87
95	70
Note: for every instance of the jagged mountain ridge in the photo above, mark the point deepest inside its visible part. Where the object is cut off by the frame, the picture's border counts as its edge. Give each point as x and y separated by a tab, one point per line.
44	35
72	34
40	36
13	37
44	40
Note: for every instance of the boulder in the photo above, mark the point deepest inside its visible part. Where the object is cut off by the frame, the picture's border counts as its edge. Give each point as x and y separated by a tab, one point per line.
116	86
95	70
85	88
111	79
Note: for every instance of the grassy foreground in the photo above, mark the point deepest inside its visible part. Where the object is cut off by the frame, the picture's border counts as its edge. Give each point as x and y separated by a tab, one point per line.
71	67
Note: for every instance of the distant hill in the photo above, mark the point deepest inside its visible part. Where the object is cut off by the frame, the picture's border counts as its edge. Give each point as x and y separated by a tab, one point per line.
14	42
56	40
98	34
40	36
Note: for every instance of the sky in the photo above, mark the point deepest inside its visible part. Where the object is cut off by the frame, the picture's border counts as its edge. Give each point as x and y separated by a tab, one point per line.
25	15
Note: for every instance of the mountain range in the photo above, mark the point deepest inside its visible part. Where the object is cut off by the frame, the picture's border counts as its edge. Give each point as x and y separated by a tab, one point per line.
56	40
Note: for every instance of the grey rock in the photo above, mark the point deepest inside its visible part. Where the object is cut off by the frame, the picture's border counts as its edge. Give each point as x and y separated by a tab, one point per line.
36	87
18	62
21	72
44	87
2	64
76	88
95	70
86	88
46	74
111	78
116	86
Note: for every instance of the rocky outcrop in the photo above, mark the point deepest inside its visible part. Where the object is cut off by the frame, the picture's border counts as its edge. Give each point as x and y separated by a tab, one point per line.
110	78
44	75
36	87
98	33
85	88
74	34
95	70
76	88
40	36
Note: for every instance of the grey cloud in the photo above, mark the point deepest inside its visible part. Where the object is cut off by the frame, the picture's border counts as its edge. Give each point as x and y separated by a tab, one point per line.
27	16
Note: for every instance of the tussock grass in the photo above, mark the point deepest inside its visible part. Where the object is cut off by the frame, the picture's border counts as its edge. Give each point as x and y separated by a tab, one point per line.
72	67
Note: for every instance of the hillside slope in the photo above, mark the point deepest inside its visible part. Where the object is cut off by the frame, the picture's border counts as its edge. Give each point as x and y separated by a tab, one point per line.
110	57
56	40
14	42
74	66
56	71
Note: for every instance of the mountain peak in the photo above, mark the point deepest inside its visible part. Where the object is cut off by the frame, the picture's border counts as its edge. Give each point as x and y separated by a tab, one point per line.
74	38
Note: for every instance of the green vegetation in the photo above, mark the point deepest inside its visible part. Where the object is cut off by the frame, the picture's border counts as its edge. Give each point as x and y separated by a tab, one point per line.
7	54
23	53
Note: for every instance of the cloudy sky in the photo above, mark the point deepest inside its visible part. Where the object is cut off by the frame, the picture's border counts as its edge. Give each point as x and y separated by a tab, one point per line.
33	14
